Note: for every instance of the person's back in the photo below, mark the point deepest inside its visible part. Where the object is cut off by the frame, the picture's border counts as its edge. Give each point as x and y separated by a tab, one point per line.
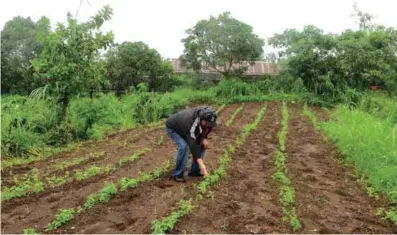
189	129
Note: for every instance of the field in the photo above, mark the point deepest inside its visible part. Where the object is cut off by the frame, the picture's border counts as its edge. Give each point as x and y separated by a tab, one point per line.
271	171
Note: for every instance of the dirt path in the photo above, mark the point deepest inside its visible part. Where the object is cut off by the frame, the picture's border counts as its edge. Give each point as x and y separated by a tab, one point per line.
247	201
134	210
40	208
328	198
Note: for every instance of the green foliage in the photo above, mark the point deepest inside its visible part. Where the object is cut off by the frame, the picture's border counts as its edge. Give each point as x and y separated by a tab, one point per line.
85	114
23	123
30	231
18	47
231	119
133	157
287	192
336	66
219	43
368	142
31	184
91	201
107	192
234	90
311	115
63	216
379	105
69	62
131	63
54	181
167	224
92	171
284	128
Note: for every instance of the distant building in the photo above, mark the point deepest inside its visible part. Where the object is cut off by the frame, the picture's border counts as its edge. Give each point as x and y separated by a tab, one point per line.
257	69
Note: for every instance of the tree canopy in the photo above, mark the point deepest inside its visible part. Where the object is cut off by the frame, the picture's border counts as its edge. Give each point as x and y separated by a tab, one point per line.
131	63
219	43
70	61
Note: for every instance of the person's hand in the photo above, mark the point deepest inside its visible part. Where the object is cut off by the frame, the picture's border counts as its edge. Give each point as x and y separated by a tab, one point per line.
204	172
202	167
204	142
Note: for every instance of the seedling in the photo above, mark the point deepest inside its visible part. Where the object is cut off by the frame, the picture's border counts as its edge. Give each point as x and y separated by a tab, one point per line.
231	119
30	231
64	216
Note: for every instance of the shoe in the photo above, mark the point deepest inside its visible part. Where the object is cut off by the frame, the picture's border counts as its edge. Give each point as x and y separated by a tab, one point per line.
195	174
178	179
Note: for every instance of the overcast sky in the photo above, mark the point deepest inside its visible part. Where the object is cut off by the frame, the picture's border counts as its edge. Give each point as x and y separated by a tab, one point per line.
162	23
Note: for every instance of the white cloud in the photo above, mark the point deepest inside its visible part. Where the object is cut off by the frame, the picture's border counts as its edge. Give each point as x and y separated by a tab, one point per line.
161	24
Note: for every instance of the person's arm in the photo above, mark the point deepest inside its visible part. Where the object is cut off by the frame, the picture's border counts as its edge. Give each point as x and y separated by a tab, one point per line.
195	149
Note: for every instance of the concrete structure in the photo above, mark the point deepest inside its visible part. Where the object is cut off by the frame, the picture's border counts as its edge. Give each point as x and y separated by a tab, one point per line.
257	69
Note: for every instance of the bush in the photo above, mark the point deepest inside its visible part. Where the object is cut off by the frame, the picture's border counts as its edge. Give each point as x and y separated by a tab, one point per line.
84	114
23	121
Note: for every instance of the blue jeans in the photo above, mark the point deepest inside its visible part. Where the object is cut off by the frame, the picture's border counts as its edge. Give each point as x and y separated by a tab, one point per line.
182	154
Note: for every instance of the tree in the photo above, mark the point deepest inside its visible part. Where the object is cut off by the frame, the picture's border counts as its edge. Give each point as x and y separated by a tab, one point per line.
219	43
18	47
70	62
131	63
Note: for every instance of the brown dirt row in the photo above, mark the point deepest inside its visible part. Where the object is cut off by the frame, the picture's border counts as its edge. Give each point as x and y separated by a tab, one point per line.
247	201
38	209
328	197
134	210
112	152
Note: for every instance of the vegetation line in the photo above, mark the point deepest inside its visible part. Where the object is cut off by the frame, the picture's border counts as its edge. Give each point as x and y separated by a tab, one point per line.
104	195
164	225
287	192
369	143
17	161
33	184
231	119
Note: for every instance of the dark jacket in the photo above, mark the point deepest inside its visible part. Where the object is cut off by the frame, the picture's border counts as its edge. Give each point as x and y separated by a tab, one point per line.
186	124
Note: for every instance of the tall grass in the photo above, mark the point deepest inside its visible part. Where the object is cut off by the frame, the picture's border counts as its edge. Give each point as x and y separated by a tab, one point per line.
30	125
379	105
368	142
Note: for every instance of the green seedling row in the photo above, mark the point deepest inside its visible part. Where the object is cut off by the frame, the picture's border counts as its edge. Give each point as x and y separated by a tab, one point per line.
35	185
53	180
108	191
167	224
229	122
287	191
162	226
220	109
40	157
311	115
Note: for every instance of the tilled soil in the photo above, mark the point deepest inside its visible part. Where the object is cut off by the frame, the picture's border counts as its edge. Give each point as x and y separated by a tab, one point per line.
247	201
38	210
328	197
134	210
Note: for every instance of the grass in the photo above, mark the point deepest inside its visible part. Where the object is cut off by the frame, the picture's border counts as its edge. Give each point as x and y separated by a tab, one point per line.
370	144
287	191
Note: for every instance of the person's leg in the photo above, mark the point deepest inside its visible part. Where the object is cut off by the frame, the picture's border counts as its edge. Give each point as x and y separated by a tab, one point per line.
181	154
195	169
